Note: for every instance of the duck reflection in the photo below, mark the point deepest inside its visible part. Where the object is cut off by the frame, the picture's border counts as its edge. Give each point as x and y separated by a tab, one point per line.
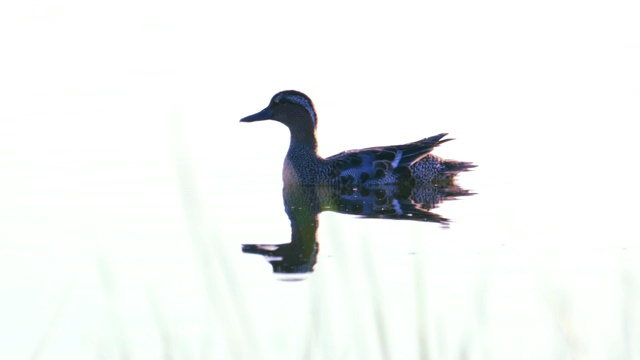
303	203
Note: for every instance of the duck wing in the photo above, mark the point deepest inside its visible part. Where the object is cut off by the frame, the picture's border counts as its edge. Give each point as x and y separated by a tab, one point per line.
378	163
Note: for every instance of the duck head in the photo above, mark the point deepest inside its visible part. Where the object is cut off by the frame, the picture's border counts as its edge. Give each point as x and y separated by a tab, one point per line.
290	107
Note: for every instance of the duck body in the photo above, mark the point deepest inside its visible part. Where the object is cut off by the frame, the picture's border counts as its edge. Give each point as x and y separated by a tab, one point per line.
409	163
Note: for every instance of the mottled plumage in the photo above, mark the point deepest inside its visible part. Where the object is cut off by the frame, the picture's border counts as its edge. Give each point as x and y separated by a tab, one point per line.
408	163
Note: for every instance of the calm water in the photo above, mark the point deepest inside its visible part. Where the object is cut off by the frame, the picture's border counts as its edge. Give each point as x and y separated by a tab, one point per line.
144	258
129	189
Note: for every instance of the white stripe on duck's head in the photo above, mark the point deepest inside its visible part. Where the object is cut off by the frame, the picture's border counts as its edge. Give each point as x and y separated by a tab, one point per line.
289	107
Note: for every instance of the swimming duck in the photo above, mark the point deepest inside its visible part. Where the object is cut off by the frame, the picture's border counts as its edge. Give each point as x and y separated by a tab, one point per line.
410	163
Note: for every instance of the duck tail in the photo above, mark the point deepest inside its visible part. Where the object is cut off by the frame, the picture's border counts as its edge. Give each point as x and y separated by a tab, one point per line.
453	167
415	151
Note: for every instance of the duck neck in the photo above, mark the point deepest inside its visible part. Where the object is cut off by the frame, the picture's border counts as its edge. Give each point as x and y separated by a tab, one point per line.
302	163
303	140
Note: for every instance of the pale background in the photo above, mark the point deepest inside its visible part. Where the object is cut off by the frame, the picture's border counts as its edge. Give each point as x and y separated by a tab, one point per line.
127	184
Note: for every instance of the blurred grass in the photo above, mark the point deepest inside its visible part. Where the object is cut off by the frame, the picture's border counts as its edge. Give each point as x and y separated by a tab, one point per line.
53	324
123	348
226	299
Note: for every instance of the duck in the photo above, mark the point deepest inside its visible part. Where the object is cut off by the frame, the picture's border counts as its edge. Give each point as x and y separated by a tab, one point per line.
410	163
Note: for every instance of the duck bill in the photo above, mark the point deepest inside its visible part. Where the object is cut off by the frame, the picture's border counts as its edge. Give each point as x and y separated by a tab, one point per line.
262	115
